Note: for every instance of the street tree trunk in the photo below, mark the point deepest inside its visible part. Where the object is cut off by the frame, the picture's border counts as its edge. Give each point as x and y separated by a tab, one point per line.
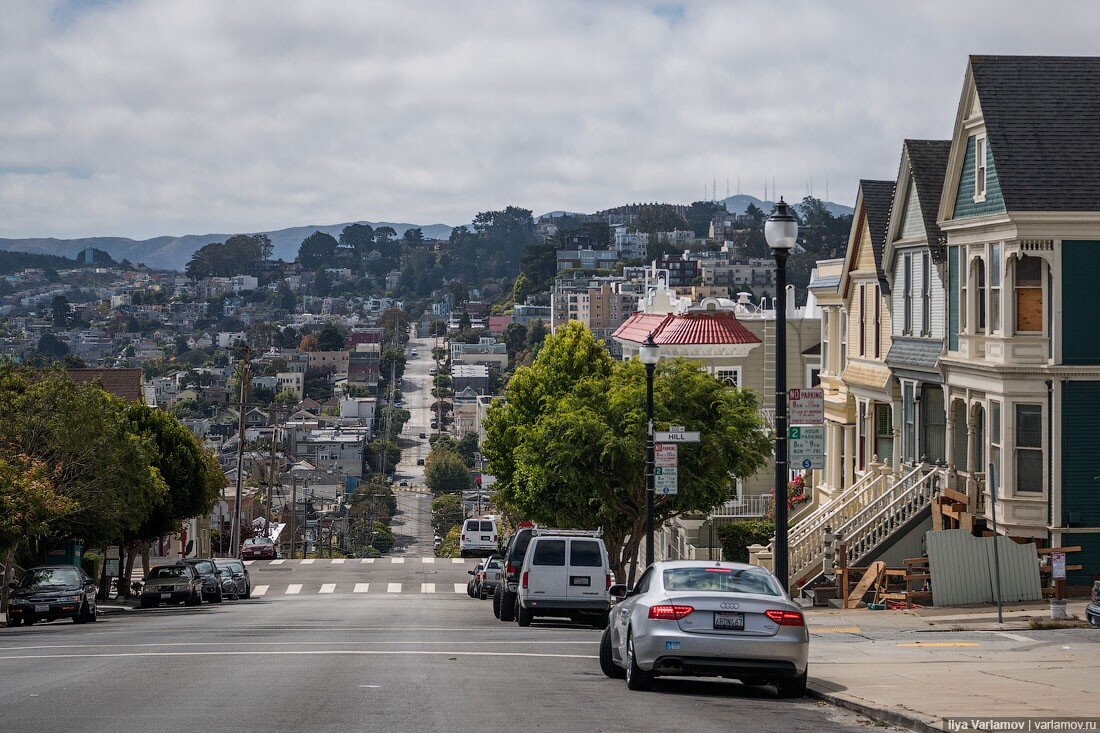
124	583
144	559
9	575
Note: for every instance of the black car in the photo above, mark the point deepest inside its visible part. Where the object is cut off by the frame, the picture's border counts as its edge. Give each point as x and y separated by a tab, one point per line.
1092	611
50	592
504	598
235	579
211	578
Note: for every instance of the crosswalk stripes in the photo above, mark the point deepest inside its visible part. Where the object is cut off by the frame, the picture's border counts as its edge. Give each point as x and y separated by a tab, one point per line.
393	588
397	560
460	587
368	561
299	589
293	589
307	561
361	587
259	590
427	587
280	561
427	560
260	564
337	561
328	588
458	561
248	562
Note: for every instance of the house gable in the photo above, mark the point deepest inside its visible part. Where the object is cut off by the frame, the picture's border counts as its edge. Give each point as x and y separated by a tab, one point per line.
966	204
912	220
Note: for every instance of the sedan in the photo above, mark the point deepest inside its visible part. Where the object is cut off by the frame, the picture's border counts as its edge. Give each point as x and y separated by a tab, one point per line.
706	619
172	584
258	548
51	592
235	580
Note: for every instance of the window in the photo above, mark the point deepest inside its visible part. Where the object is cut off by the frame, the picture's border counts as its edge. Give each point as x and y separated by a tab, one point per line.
861	443
644	582
979	168
1029	295
878	311
977	463
862	320
1029	449
884	433
961	439
549	552
964	278
925	294
995	288
728	376
843	339
814	379
953	322
934	418
995	445
979	285
825	340
907	295
908	422
721	580
585	554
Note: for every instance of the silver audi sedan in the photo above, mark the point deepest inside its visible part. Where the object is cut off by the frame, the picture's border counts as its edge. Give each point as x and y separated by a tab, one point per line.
706	619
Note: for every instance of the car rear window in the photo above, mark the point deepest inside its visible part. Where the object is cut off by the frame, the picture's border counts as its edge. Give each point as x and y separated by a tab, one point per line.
472	525
486	526
494	564
585	554
721	580
519	549
549	552
170	572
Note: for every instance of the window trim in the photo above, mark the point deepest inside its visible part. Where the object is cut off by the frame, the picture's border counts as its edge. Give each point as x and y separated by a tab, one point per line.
876	303
926	294
995	278
863	319
907	294
981	168
1016	448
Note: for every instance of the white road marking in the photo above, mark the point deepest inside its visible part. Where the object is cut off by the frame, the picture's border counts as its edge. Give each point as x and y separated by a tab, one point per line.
368	560
307	561
293	589
333	652
460	587
458	561
1015	637
248	562
428	559
280	561
340	642
328	588
337	561
427	587
397	560
393	588
259	590
361	587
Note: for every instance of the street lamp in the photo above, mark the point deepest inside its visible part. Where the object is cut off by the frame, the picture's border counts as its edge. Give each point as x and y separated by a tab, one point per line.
781	231
649	355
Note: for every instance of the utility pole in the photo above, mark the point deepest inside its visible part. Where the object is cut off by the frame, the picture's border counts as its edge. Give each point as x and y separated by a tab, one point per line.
271	472
246	377
293	509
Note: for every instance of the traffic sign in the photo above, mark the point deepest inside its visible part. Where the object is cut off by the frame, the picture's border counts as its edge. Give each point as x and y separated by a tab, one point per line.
665	480
665	454
805	406
806	446
677	436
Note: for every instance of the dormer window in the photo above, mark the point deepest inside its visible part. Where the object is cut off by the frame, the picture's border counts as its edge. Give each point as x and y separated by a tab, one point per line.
979	168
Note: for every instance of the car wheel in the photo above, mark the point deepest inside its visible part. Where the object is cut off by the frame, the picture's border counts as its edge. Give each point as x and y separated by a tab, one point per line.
607	662
1093	619
523	615
507	607
496	604
195	599
482	592
13	622
248	591
470	589
792	687
636	677
217	597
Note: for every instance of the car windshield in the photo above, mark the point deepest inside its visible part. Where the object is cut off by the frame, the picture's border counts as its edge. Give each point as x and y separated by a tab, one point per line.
257	541
169	571
721	580
204	566
50	577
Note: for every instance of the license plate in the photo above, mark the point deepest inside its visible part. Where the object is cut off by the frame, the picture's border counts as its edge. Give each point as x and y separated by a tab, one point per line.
42	608
165	596
486	538
735	621
580	580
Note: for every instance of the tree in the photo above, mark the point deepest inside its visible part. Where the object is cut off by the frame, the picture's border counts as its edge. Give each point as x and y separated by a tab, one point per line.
447	511
445	471
700	215
59	310
330	338
464	323
515	338
318	250
586	412
285	297
536	334
359	237
467	447
414	237
51	347
539	264
309	342
522	288
241	254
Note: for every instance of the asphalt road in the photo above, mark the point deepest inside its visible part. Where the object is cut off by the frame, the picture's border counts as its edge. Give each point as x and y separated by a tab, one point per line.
323	657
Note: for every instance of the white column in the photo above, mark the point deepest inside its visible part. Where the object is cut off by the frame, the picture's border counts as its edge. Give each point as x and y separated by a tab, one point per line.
849	455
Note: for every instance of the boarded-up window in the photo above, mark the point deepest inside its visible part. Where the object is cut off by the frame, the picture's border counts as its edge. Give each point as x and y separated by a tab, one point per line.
1029	295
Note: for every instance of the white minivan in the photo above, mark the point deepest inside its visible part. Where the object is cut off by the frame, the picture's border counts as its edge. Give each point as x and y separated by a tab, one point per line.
565	573
479	537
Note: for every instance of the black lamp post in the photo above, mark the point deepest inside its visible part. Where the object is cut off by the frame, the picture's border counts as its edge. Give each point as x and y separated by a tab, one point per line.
649	356
781	231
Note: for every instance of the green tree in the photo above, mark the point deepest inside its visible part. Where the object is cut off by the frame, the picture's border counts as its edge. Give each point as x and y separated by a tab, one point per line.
330	338
318	250
736	537
467	447
59	310
51	347
447	511
445	471
586	412
700	214
539	264
359	237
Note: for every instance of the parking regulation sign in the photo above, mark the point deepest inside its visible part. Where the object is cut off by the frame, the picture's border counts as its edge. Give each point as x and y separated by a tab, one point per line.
806	446
665	454
805	406
665	480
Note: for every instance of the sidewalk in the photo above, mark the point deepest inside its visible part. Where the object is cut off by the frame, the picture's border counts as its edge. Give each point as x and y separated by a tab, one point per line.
914	668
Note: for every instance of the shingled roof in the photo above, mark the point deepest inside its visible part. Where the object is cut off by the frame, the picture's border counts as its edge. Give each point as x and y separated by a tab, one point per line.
122	383
928	165
1042	118
878	196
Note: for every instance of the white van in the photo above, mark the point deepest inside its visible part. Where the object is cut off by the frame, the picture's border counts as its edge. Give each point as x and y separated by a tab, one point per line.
478	537
564	573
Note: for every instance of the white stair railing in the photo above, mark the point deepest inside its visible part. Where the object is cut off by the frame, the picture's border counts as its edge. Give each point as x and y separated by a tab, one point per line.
821	516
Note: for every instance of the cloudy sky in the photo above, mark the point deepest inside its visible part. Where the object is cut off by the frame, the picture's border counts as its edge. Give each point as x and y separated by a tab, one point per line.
147	117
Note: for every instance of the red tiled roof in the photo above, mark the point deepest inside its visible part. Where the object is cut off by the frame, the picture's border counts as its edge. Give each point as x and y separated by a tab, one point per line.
497	324
124	383
686	328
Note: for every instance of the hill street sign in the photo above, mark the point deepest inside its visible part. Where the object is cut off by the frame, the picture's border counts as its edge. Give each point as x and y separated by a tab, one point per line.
677	436
806	446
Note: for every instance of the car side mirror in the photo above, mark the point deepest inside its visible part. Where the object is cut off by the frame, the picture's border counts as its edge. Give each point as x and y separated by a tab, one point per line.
618	591
469	572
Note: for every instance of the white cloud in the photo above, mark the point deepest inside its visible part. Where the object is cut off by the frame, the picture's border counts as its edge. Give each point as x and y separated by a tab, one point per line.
152	117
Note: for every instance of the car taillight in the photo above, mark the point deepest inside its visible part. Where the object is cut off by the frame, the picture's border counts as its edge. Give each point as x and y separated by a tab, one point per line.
512	569
669	612
524	581
463	538
785	618
608	586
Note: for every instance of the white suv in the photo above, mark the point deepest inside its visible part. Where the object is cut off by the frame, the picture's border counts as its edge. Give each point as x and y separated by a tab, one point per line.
479	537
564	573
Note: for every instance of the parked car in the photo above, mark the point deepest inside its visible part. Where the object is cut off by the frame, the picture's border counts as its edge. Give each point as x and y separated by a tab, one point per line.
423	435
235	579
478	537
471	586
488	577
564	573
50	592
403	483
211	579
1092	611
420	461
258	548
435	425
706	619
504	599
178	583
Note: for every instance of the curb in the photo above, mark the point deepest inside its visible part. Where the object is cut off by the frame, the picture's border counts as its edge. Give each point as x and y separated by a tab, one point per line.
894	717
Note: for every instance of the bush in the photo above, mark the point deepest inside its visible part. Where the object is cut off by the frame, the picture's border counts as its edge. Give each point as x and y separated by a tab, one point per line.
736	537
383	538
449	547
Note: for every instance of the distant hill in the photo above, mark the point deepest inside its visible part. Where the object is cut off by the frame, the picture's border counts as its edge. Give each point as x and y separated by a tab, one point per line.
738	203
174	252
15	261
